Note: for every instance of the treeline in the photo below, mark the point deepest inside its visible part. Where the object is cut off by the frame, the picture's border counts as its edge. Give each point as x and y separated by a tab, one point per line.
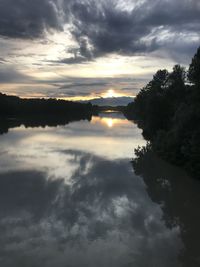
15	107
15	111
168	111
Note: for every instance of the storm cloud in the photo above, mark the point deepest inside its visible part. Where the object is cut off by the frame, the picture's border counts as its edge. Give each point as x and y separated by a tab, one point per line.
43	41
28	19
9	74
109	26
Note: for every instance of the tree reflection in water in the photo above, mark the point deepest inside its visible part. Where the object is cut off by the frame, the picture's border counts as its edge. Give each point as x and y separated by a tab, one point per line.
178	196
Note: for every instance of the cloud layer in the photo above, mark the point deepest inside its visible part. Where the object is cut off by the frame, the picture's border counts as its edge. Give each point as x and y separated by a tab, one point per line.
151	25
109	26
44	40
28	19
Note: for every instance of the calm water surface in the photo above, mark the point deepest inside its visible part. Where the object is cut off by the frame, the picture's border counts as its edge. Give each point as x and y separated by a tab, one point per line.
70	197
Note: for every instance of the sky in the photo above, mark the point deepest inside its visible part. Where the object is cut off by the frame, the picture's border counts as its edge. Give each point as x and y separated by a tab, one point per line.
83	49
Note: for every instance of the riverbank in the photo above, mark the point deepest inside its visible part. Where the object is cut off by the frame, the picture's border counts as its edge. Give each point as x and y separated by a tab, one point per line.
167	109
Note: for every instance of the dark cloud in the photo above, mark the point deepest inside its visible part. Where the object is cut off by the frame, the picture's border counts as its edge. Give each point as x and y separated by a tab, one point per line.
91	84
69	60
103	29
107	28
10	75
28	19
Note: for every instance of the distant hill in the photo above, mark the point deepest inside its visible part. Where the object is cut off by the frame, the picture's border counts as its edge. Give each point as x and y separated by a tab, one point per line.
110	101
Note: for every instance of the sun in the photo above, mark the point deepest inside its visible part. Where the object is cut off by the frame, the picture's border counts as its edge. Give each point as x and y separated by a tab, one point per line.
110	93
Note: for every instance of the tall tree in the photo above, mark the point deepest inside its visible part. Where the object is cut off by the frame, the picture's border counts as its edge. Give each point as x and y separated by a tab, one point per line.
194	69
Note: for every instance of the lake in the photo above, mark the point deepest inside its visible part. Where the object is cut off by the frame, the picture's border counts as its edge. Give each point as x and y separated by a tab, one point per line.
70	197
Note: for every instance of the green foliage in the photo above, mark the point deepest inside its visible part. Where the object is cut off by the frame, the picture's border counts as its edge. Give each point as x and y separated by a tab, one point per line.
168	111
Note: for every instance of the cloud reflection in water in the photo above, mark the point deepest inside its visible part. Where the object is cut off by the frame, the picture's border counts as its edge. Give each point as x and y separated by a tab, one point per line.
103	217
68	198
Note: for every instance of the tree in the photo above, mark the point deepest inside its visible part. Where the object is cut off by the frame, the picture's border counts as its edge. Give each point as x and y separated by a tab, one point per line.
176	86
178	76
168	111
194	69
160	78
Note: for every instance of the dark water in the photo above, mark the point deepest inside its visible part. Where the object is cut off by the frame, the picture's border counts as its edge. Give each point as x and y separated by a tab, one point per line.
69	197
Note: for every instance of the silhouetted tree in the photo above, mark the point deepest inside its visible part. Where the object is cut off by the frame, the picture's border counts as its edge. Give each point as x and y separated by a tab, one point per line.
40	112
168	111
194	69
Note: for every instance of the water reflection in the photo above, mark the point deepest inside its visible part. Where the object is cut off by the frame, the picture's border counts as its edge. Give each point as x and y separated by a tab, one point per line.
69	197
95	137
42	121
101	217
178	196
110	121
